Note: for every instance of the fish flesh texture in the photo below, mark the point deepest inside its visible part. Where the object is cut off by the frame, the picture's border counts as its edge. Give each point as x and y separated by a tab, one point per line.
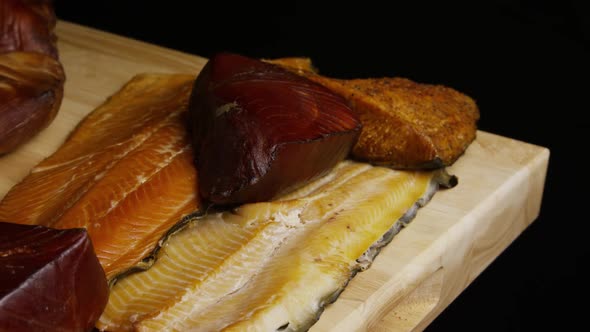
274	265
260	131
125	174
406	125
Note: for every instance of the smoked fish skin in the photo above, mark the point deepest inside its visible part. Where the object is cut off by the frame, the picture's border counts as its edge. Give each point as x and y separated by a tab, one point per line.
406	125
125	174
267	265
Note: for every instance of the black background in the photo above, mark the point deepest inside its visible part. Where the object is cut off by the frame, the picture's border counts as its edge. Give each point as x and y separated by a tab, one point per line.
525	62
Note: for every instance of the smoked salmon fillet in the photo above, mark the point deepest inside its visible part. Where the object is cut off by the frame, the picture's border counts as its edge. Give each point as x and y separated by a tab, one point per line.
125	173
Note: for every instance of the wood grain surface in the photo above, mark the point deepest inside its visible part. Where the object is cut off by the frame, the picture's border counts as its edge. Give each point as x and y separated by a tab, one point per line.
419	273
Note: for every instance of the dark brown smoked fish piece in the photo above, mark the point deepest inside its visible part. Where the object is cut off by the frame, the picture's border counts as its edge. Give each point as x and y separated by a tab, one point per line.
50	280
31	76
259	130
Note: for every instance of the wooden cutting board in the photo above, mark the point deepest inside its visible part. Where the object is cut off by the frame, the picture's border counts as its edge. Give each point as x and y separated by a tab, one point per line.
419	273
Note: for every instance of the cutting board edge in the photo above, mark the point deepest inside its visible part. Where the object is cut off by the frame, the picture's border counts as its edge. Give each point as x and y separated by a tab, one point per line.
403	304
522	214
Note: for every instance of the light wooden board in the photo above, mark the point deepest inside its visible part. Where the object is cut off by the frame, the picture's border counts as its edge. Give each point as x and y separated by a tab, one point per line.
419	273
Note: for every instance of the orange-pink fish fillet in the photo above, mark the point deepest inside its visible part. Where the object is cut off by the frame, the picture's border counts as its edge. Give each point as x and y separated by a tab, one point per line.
125	173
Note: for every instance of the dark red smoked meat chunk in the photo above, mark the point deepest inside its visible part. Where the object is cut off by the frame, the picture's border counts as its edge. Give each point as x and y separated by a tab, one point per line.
260	131
50	280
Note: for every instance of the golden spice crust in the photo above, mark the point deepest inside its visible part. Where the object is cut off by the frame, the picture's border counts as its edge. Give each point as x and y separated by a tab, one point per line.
405	124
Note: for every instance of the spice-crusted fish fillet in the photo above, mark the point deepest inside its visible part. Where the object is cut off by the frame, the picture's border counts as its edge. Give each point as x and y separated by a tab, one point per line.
125	173
405	124
274	265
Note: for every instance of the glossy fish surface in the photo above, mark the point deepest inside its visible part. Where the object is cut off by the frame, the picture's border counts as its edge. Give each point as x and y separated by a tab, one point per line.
50	280
260	131
125	173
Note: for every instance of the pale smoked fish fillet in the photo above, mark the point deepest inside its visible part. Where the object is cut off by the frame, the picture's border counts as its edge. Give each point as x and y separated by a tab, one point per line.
274	265
125	173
